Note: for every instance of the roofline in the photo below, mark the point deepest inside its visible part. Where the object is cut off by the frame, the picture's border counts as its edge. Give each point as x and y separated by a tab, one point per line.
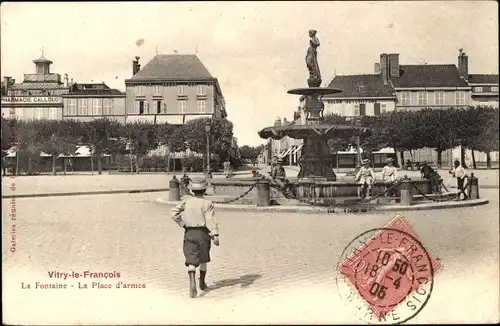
483	84
92	95
168	80
439	88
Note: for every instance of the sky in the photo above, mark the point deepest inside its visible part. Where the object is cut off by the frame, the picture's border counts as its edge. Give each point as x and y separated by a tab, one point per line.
255	49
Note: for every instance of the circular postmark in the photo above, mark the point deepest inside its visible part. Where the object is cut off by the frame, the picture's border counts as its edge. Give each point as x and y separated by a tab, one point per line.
386	275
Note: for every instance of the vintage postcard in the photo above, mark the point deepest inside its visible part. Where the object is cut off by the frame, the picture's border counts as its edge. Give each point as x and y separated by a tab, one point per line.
256	162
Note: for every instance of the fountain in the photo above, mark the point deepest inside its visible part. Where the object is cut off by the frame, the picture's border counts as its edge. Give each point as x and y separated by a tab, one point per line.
316	162
316	181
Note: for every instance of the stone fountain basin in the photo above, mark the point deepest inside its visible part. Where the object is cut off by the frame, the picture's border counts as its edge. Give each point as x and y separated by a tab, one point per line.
306	188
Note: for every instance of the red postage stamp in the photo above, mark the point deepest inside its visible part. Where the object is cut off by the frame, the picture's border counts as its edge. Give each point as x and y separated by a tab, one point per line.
389	271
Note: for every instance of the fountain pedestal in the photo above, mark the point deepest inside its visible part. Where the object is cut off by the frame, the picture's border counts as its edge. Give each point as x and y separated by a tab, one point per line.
316	160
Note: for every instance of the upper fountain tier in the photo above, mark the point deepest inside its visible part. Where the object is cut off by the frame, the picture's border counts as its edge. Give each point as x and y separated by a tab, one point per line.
312	91
298	131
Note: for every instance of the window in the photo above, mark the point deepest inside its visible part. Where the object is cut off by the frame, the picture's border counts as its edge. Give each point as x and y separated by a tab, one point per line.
460	97
478	89
422	98
159	107
376	109
39	113
140	106
53	113
439	98
494	88
96	106
181	90
201	106
182	106
201	90
140	91
405	98
362	109
71	109
107	106
82	105
157	90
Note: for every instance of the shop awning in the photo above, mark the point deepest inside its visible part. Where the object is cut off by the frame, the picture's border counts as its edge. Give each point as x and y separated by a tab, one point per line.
386	150
298	148
286	152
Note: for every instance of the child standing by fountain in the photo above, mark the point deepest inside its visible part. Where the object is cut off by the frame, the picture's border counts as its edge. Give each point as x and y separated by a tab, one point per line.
197	216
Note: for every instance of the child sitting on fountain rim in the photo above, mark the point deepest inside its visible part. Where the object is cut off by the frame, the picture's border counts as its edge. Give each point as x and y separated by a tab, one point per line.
365	175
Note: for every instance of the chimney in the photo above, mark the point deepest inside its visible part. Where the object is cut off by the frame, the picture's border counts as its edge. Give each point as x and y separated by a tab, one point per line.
277	122
135	66
384	68
6	81
66	80
394	65
463	64
71	81
377	68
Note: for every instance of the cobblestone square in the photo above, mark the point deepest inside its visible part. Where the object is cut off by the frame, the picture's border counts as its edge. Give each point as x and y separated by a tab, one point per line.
269	268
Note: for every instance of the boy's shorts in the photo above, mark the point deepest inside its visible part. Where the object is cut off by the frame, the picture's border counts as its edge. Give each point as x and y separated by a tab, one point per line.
368	180
196	247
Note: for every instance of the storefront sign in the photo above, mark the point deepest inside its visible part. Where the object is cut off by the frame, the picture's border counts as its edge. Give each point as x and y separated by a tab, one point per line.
353	101
31	99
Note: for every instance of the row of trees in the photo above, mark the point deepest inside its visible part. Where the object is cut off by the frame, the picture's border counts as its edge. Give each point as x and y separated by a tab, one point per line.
475	128
105	136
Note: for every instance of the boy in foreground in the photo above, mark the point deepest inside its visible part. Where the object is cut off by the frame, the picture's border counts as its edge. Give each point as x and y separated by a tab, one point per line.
197	216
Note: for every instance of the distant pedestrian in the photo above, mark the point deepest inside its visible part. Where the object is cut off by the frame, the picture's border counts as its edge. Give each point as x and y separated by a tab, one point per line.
227	167
4	164
197	216
461	174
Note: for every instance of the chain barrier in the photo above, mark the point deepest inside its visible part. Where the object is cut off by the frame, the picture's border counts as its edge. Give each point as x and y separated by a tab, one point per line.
187	191
354	208
436	200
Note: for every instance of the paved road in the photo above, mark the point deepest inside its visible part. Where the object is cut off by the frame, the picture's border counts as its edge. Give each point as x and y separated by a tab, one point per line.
270	268
43	184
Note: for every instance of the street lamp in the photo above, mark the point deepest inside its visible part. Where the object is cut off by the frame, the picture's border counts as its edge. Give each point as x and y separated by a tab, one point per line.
207	130
358	161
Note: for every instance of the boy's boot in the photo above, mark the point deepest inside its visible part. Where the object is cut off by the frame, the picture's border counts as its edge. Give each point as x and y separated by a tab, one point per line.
203	285
192	284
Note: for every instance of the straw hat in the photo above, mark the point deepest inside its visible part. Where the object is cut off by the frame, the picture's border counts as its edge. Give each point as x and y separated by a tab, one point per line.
390	159
365	161
198	184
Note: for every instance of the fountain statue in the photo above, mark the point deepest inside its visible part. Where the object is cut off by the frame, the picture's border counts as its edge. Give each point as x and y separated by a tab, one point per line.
316	161
312	60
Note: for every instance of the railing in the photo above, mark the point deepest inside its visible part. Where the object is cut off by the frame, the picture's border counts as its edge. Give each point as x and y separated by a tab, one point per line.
42	78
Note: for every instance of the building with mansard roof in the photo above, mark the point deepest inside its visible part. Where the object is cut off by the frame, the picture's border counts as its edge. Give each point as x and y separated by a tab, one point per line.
173	89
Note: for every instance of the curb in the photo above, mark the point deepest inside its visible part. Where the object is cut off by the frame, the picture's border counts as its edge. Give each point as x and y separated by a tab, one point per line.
84	193
323	210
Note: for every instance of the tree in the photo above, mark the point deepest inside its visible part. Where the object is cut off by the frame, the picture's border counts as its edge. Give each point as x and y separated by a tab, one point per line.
220	136
28	145
250	152
485	135
9	134
56	138
171	136
140	140
101	135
